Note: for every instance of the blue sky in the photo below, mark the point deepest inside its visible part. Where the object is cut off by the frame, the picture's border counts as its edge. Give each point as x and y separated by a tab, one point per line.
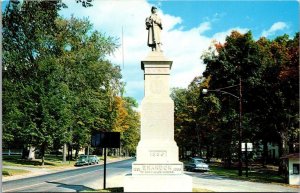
190	27
254	15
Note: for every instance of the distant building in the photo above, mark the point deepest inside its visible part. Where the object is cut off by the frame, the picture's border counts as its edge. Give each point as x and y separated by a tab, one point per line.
293	165
273	151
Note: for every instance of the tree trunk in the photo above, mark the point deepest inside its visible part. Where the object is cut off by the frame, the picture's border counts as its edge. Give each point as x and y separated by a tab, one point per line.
65	152
76	152
24	152
212	151
283	150
31	155
208	153
199	152
71	152
283	147
265	153
43	148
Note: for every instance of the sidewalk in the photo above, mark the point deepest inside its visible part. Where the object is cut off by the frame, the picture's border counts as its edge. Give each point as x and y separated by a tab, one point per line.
41	171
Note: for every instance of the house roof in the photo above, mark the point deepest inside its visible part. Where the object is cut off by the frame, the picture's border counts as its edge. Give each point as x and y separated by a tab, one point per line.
293	155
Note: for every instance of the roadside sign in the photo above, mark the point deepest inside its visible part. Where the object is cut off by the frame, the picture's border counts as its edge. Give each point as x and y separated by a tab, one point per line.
106	139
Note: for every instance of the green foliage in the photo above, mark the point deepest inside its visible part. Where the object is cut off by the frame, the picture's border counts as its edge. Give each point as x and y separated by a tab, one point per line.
128	123
58	85
270	97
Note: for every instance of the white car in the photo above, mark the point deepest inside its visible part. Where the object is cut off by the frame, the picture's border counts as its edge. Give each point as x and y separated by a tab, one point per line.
196	164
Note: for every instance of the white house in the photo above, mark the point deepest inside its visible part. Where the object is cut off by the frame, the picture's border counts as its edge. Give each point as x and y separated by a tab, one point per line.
293	161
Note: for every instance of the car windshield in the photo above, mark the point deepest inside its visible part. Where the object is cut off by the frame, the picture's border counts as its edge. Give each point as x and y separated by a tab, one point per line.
82	158
199	161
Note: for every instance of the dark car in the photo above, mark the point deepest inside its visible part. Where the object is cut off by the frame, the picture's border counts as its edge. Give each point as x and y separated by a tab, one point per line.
87	160
196	164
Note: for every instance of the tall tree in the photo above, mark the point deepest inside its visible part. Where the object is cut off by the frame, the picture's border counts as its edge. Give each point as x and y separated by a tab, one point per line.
269	95
57	84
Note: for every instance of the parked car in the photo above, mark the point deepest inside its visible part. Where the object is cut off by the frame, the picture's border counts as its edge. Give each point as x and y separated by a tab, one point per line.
195	164
87	160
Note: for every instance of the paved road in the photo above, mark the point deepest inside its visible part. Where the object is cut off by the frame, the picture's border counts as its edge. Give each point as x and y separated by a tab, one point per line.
85	178
221	184
91	178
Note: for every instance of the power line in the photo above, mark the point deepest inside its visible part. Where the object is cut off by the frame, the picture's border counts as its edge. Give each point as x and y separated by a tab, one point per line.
123	47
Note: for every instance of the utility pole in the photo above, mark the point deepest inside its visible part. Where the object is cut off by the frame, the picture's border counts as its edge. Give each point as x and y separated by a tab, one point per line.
240	98
240	128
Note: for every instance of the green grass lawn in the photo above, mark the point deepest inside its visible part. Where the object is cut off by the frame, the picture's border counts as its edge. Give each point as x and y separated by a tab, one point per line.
12	172
254	175
50	161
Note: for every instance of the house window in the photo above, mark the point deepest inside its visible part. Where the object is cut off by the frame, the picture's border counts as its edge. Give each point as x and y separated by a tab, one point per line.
296	168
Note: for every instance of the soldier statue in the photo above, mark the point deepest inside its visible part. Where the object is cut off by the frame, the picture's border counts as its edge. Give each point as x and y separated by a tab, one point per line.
154	27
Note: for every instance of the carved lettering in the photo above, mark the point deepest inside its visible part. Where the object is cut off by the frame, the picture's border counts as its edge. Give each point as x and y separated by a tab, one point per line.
158	153
141	169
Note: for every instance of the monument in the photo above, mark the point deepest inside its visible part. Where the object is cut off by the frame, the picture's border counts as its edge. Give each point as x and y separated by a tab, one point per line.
157	167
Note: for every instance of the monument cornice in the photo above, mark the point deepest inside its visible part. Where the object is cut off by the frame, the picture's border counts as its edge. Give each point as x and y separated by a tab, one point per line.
156	60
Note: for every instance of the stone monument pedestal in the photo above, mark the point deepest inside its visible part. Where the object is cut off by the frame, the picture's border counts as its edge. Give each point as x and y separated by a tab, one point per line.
157	168
158	183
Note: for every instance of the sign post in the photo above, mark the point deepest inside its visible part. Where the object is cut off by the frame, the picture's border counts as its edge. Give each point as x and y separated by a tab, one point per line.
247	147
104	174
105	140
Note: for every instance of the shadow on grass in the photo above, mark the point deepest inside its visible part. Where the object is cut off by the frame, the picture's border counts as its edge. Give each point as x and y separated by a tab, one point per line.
117	189
77	188
17	160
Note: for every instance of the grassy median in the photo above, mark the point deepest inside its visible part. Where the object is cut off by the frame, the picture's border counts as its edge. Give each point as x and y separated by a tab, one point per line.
12	172
254	175
50	161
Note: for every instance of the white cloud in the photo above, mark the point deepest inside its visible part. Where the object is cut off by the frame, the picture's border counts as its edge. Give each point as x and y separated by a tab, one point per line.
169	22
274	28
184	47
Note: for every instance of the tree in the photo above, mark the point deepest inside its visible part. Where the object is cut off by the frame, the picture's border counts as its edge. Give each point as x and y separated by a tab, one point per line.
192	132
57	84
24	27
269	97
270	92
131	136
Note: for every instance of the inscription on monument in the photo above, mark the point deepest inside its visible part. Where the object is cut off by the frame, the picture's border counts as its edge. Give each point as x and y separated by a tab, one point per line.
140	169
158	153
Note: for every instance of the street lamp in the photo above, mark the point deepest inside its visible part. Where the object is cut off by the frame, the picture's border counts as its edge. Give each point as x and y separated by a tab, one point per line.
221	90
